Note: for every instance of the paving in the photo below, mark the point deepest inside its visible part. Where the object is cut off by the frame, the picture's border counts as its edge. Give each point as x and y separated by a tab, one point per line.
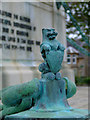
80	99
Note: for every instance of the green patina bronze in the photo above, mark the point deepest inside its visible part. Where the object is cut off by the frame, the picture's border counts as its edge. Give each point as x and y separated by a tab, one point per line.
20	97
47	97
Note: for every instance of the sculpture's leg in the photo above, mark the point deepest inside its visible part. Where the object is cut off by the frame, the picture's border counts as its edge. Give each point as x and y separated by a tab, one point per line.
25	104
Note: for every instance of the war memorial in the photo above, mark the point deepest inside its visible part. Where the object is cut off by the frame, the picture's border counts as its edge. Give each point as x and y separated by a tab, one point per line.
21	37
20	40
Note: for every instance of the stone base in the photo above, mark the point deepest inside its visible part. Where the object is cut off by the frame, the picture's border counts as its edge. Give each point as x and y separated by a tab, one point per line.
73	114
46	119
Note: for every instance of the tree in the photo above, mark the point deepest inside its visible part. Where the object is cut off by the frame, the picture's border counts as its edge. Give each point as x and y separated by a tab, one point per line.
80	11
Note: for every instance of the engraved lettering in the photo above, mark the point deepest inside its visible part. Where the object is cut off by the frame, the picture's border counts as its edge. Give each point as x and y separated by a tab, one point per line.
25	19
6	30
7	14
37	42
22	33
5	22
12	39
15	16
30	42
34	28
14	46
23	41
22	48
6	46
18	40
12	31
3	38
29	49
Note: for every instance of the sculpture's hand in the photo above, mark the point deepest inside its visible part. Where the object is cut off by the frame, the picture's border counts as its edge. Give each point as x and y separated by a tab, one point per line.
19	97
45	47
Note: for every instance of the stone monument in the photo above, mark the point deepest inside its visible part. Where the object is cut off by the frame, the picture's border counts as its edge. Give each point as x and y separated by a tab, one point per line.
45	98
20	39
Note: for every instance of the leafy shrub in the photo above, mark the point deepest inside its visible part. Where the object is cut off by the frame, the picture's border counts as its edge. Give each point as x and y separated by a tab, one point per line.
82	80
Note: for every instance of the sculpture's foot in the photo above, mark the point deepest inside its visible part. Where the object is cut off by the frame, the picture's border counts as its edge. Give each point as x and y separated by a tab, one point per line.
74	114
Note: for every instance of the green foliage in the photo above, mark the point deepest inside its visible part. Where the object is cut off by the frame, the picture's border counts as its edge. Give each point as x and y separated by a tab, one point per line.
80	11
77	23
82	80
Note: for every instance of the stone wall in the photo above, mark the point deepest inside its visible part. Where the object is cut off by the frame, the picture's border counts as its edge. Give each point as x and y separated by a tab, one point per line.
21	34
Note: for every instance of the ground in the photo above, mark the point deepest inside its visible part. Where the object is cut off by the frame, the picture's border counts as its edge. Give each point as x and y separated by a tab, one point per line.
80	99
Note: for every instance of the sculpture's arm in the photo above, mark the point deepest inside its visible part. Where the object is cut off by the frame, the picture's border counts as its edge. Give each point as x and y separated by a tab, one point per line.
12	95
71	87
45	46
20	97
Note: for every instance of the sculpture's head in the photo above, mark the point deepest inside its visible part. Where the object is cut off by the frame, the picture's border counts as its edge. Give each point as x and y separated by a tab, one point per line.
49	34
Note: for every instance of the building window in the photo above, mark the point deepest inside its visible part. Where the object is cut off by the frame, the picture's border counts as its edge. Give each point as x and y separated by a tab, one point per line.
3	38
74	55
69	59
74	59
68	56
